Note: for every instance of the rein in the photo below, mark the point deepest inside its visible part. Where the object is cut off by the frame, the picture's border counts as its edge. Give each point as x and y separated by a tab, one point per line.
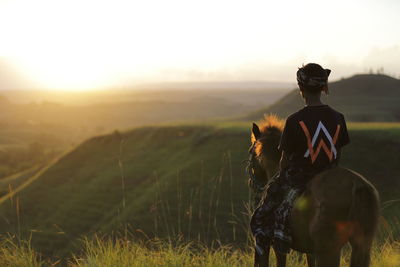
253	182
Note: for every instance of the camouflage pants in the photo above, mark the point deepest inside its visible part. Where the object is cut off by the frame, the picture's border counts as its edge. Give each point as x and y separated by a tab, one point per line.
271	219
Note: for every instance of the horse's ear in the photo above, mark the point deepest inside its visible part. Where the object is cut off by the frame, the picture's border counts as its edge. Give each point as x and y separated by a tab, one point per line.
256	131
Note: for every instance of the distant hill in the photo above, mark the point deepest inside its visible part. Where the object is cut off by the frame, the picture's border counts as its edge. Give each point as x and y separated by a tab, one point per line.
73	116
216	85
166	181
364	98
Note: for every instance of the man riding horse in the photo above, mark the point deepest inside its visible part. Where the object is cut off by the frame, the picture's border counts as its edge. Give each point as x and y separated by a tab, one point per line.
310	144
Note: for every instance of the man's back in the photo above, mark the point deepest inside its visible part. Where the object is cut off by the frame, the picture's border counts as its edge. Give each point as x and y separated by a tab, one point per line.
313	137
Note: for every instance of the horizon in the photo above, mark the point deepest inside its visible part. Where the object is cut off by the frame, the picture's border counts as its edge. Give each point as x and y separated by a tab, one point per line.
194	85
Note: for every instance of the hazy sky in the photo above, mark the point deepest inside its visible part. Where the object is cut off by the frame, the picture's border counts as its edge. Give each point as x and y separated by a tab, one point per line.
86	44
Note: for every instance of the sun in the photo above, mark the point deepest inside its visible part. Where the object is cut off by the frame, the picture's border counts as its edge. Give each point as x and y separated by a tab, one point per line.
63	73
80	45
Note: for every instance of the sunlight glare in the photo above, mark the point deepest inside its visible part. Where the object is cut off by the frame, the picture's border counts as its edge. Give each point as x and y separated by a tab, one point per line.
87	44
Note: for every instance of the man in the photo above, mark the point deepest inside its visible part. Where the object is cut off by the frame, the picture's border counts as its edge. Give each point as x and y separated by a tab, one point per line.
310	143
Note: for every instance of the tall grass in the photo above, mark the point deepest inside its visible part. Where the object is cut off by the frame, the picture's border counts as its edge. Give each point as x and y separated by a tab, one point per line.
206	211
107	252
110	253
17	253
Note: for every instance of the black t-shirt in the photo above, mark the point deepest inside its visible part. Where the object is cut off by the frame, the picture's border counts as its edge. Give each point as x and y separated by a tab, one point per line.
313	136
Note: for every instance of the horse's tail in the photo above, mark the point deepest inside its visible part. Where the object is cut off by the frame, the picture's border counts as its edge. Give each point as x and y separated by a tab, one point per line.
364	214
364	211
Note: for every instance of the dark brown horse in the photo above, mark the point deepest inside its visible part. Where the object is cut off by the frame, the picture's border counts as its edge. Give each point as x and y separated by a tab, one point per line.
338	206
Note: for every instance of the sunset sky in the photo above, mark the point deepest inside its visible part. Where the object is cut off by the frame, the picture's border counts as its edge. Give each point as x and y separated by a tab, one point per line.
91	44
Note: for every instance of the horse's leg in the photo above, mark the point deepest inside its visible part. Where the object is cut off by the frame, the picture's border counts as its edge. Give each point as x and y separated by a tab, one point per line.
280	259
261	258
360	253
328	258
310	260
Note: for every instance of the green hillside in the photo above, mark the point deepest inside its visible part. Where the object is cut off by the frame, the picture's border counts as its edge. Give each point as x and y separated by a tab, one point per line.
362	98
36	126
168	181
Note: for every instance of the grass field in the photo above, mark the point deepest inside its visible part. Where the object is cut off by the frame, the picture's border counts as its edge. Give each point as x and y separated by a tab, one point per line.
127	253
170	181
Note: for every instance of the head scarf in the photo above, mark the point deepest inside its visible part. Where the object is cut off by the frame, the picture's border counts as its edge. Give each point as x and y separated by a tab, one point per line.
313	81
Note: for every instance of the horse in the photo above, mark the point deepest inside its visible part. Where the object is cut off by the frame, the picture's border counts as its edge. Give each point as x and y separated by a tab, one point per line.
338	206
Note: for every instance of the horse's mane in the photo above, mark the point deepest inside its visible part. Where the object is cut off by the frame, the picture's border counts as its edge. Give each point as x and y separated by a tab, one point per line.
271	128
269	124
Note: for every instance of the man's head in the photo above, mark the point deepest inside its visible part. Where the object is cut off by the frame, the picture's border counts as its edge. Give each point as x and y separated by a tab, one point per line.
312	79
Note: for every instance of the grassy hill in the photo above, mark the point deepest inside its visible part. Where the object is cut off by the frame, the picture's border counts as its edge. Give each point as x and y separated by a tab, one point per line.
35	125
363	98
169	181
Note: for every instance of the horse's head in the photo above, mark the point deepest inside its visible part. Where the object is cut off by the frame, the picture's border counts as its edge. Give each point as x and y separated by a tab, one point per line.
264	153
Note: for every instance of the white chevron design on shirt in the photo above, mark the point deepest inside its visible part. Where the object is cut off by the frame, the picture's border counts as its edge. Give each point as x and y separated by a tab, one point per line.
322	127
